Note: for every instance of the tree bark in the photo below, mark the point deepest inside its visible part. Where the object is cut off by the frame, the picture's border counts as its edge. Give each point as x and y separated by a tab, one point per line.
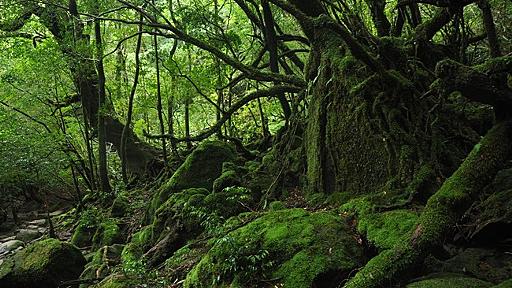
124	135
102	131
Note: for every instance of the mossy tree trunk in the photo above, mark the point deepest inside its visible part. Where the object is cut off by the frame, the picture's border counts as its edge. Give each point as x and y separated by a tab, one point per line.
379	125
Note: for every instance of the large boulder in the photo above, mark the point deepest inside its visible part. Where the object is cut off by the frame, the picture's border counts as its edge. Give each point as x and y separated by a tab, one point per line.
199	170
44	264
289	248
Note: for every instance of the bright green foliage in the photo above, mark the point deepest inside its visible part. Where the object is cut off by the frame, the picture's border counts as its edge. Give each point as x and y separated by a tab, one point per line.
43	264
293	246
132	252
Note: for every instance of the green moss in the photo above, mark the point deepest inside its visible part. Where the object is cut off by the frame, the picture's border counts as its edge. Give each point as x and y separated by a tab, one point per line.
229	178
115	281
504	284
450	281
385	229
278	245
86	228
139	242
382	229
43	264
107	233
180	205
102	262
199	170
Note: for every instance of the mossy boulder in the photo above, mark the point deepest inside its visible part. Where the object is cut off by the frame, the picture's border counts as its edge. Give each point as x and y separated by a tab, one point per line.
381	229
190	212
199	170
107	233
133	251
178	211
44	264
228	178
294	247
86	228
450	281
120	206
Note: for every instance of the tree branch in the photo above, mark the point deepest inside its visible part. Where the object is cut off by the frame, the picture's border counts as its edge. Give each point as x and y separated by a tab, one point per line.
474	85
271	92
27	115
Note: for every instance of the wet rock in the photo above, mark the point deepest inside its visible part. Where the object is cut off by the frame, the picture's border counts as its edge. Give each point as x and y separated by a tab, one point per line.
38	222
27	235
9	246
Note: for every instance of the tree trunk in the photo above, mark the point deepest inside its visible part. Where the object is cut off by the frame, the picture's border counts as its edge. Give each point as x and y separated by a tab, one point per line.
124	135
102	131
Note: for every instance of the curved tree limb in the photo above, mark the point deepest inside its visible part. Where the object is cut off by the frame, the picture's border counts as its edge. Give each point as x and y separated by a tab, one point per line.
27	115
442	211
271	92
474	85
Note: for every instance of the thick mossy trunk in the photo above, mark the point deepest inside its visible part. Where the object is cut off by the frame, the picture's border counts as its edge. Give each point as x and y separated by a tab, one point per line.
369	135
442	211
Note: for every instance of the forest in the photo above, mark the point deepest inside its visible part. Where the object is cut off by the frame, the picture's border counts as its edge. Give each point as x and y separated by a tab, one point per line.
255	143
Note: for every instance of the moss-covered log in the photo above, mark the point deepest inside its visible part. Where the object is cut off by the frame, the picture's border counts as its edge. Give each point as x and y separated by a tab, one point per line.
442	211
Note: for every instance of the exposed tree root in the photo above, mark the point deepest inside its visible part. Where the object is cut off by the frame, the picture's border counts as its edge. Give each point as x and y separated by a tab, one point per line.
442	211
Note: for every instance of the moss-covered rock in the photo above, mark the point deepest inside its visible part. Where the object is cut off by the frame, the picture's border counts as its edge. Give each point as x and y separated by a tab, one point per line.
180	211
44	264
120	206
190	212
228	178
199	170
381	229
115	281
450	281
86	228
133	251
107	233
292	246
